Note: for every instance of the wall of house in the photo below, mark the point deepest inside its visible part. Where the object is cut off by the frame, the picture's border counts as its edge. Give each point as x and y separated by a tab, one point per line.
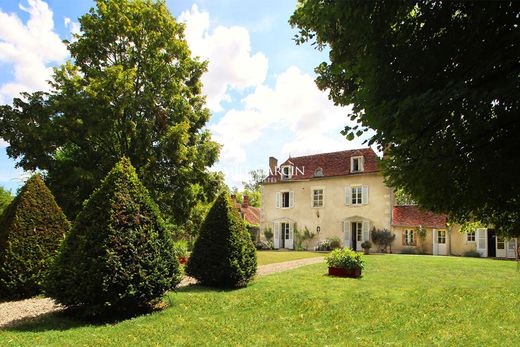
330	217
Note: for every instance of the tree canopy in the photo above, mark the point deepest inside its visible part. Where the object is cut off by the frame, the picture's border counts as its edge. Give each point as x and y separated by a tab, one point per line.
131	89
5	199
439	82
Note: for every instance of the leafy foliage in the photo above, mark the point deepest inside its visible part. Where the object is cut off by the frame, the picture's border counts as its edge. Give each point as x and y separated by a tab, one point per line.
383	238
329	244
5	199
224	255
439	82
366	245
345	258
471	254
268	233
31	230
118	258
302	237
131	89
255	181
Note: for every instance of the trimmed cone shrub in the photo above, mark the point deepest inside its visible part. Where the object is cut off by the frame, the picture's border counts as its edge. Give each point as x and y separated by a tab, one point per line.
31	230
119	258
223	255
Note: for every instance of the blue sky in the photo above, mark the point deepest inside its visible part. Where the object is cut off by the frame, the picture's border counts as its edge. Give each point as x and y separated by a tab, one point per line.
259	86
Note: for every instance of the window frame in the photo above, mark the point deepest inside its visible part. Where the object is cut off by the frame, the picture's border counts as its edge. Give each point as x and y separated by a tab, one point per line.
358	195
471	235
360	163
282	200
313	197
439	238
409	237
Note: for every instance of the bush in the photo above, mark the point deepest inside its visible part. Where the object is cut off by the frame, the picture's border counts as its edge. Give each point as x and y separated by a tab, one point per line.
366	245
301	237
263	245
408	250
224	255
119	258
382	238
345	259
268	233
472	254
180	248
31	230
329	244
334	242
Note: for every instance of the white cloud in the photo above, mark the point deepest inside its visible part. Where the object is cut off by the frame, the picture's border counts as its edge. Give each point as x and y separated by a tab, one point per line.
228	49
74	27
294	106
29	48
3	143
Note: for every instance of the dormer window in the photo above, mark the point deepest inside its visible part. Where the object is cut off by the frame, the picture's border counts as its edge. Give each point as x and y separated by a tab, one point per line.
318	172
286	172
356	164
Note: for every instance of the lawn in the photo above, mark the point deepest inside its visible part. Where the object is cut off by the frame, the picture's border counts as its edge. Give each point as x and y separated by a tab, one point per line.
270	257
401	300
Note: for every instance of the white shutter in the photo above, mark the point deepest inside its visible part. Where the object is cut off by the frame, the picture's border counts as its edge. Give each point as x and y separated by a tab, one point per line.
362	164
348	195
366	234
276	237
435	246
291	199
481	238
346	232
278	199
365	194
289	242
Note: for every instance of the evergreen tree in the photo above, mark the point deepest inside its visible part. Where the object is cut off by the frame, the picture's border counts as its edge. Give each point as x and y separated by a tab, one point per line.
31	230
118	258
223	255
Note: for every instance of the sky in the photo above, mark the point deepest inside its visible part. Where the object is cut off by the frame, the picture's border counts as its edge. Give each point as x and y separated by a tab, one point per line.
259	85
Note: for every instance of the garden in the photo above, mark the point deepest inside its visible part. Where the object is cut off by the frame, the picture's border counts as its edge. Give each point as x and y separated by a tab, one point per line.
420	300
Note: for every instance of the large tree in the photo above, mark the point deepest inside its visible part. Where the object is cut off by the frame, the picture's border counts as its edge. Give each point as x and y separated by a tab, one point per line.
439	82
131	89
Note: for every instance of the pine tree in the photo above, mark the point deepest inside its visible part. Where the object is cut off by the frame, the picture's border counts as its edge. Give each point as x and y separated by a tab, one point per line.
223	255
31	230
118	258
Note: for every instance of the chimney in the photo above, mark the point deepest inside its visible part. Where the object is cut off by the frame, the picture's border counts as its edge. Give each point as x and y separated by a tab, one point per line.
246	201
273	164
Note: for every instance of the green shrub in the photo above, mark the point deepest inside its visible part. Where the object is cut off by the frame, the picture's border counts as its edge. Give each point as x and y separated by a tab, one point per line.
268	233
472	254
346	259
334	242
224	255
181	248
119	258
383	238
301	238
31	230
408	250
5	199
366	245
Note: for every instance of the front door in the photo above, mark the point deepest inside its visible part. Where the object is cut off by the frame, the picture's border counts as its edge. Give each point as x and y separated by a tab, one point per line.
357	235
481	238
501	247
492	243
287	235
511	248
440	242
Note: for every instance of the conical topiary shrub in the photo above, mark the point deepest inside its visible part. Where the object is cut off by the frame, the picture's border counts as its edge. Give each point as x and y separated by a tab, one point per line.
223	255
31	230
118	259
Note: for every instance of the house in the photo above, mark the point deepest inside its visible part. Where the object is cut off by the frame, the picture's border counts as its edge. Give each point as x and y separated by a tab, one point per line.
339	194
250	214
343	195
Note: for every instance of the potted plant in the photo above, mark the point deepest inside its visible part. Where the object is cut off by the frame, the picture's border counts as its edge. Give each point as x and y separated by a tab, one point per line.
345	263
366	246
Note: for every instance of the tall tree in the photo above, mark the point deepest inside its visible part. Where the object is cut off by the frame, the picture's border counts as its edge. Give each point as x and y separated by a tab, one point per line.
439	82
256	178
131	89
5	199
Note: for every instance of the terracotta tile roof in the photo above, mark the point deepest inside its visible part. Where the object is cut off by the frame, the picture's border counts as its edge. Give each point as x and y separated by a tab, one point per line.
411	216
250	213
331	164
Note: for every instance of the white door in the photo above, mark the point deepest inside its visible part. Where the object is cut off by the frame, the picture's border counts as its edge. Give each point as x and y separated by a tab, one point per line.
346	233
440	242
481	237
435	246
501	247
511	249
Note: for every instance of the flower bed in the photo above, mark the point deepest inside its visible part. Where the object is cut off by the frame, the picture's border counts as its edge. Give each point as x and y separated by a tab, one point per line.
345	263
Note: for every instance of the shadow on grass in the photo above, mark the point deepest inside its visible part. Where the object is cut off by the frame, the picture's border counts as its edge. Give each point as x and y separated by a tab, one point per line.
199	288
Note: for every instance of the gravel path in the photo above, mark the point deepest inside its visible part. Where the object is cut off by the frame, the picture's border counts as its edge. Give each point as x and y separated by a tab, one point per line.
12	311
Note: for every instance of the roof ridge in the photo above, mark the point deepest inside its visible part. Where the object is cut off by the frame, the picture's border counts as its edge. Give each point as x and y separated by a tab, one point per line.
335	152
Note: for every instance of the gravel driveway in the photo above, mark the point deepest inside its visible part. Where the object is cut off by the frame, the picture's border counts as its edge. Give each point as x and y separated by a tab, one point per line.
12	311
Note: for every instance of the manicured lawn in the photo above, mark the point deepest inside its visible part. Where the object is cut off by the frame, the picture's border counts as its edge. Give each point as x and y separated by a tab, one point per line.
270	257
401	300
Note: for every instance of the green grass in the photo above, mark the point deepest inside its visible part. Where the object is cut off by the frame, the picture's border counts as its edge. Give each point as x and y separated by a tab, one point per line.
401	300
270	257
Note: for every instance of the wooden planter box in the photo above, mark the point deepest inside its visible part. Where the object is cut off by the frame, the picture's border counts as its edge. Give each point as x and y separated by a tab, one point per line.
341	272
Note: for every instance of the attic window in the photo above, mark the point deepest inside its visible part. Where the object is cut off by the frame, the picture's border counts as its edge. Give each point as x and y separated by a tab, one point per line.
356	164
318	172
286	172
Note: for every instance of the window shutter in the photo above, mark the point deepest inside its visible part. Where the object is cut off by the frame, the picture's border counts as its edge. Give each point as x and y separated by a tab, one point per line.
276	236
365	194
291	199
362	164
366	235
404	237
414	234
291	230
348	195
346	232
278	199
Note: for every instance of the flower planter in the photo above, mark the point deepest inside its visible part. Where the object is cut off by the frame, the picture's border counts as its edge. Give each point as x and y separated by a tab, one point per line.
341	272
